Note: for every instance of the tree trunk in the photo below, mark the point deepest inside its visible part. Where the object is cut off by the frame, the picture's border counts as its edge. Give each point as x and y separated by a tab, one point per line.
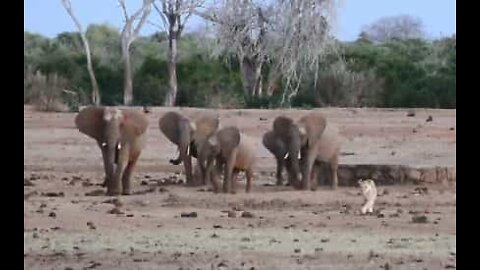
95	91
171	97
251	76
127	77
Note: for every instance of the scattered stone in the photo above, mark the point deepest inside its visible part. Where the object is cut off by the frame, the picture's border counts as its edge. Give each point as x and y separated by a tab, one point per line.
297	250
53	194
419	219
214	235
232	214
129	215
162	189
91	226
324	240
318	249
452	128
245	239
246	214
189	215
116	210
429	119
30	194
96	192
52	215
410	113
217	226
144	183
414	130
262	119
27	183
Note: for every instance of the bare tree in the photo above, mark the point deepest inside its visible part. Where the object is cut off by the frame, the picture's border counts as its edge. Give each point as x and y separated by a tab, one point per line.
399	27
174	15
95	91
129	33
291	35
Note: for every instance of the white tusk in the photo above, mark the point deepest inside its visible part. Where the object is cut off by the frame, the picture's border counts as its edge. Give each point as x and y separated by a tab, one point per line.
119	146
299	155
188	150
286	156
104	144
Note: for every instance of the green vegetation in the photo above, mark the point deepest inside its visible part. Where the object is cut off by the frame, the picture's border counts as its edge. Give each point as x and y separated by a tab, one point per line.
397	73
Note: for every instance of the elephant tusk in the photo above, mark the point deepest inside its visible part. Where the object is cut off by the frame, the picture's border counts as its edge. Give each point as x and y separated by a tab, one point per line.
188	150
286	156
104	144
119	146
299	155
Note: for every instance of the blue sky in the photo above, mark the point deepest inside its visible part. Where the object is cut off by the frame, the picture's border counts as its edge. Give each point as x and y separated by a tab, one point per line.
48	17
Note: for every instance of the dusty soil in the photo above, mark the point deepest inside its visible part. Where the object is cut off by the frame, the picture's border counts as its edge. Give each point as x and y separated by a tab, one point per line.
69	223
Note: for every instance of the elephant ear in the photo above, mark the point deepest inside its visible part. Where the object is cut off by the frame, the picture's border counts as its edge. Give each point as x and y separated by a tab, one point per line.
273	144
312	125
205	126
89	121
228	139
134	123
282	126
171	125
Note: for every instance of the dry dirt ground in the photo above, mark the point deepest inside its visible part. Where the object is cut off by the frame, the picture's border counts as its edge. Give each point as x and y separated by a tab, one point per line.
69	224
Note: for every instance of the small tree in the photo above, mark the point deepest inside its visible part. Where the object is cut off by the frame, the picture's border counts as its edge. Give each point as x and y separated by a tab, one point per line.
291	35
174	15
395	27
129	33
95	91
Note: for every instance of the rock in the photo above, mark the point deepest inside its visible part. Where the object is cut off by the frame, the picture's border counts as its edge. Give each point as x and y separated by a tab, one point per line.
96	192
246	214
30	194
116	210
91	226
297	250
52	215
411	113
429	175
27	183
189	215
53	194
346	175
262	119
144	183
232	214
412	174
324	240
419	219
414	130
429	119
452	128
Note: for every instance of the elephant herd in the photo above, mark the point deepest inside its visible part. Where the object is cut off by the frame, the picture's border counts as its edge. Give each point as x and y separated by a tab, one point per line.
300	147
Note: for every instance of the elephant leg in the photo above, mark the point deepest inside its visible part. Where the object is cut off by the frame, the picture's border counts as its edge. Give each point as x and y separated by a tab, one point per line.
234	180
228	170
249	176
126	183
105	164
280	165
187	161
314	178
334	173
307	170
214	171
114	187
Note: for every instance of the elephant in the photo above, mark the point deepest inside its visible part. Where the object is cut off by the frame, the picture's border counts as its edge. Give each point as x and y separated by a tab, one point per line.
302	141
188	136
276	146
121	136
232	152
328	152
